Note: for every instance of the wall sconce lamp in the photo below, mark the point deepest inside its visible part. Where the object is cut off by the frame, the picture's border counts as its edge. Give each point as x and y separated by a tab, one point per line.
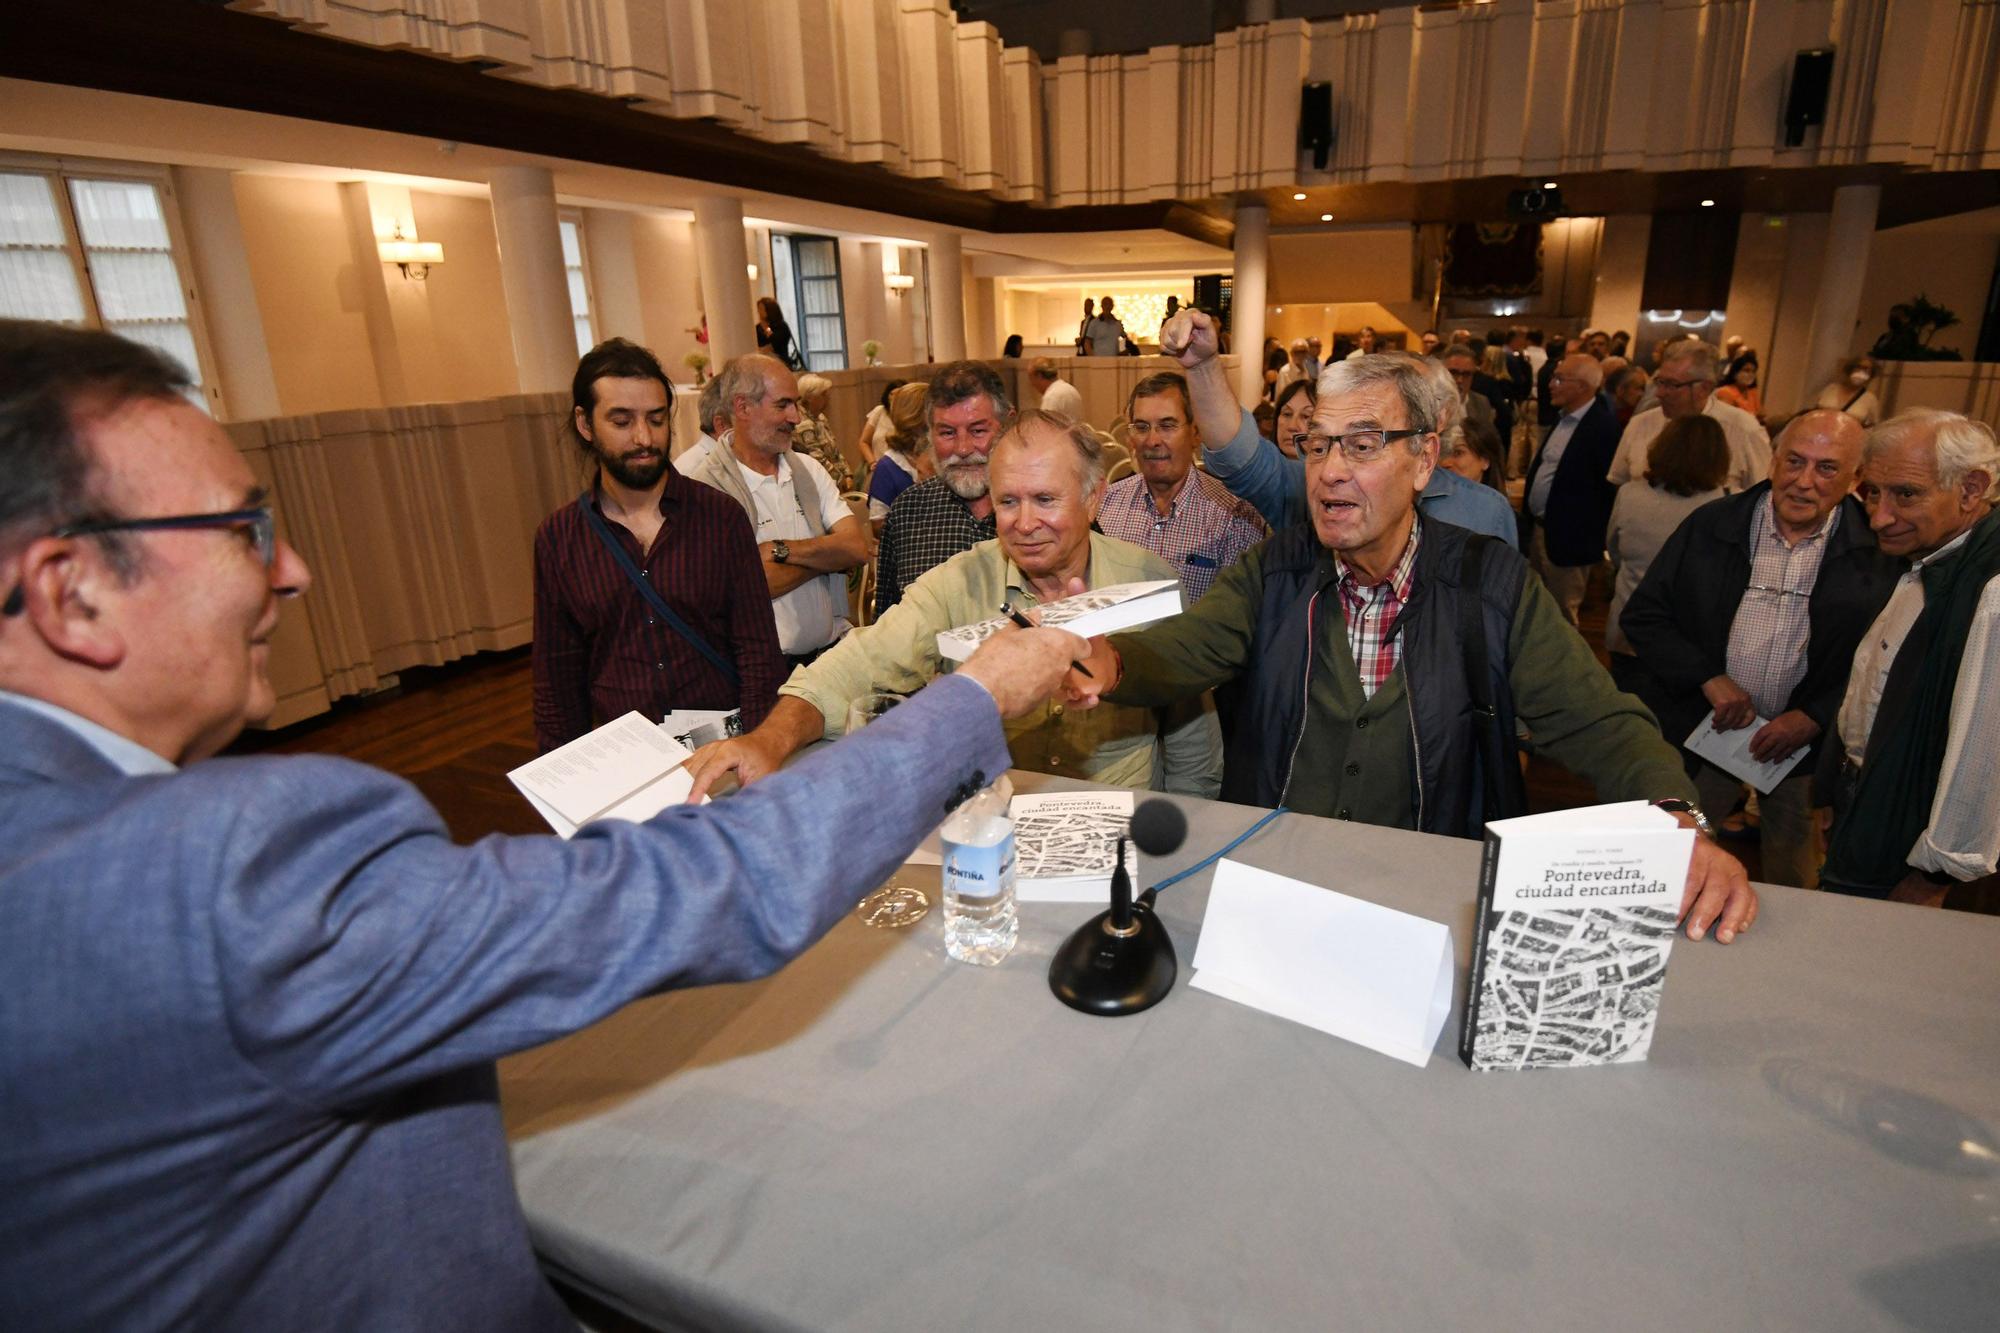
413	257
753	271
899	282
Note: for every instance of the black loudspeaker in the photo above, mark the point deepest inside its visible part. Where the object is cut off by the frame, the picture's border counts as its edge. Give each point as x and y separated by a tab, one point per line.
1316	122
1805	104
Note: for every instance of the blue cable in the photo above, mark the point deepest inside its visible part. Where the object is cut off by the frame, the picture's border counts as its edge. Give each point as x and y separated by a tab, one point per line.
1212	858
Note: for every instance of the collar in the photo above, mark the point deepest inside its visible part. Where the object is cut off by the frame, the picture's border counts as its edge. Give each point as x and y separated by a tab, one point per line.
127	755
1143	498
1020	583
1767	523
672	492
1920	564
1401	577
1580	412
752	477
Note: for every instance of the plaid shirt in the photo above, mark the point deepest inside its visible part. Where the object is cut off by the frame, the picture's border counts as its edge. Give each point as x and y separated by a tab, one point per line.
1371	613
1206	529
1767	640
927	526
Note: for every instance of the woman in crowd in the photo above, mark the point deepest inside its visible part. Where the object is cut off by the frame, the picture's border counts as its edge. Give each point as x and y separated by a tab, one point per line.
1685	469
1739	385
814	434
1849	391
1477	456
1275	361
1493	363
1012	351
1295	409
773	334
876	430
906	459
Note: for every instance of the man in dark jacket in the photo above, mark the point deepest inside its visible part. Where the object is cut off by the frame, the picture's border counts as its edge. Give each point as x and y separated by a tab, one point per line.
1750	615
1347	635
1566	505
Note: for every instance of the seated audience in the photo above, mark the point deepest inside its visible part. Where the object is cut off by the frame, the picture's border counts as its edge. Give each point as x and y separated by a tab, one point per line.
1058	394
814	435
1047	485
1566	505
906	453
1909	767
1686	386
966	408
1750	616
875	430
1849	391
1684	470
1169	506
253	1005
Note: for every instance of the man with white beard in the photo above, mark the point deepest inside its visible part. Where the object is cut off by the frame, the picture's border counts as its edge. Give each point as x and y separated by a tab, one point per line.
965	410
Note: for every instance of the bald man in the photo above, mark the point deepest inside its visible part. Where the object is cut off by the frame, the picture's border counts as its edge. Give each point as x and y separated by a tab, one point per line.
1567	503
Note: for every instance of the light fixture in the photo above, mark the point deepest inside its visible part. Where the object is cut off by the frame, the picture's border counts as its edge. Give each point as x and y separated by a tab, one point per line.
412	256
753	271
899	282
1708	203
1300	195
1548	185
1326	217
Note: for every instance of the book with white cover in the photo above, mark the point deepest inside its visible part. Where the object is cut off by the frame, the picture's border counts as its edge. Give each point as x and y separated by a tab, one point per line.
1066	843
626	769
1576	917
1099	611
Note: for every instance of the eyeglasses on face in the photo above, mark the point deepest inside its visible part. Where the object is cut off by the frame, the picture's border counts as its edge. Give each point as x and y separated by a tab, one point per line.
1356	446
1665	382
257	522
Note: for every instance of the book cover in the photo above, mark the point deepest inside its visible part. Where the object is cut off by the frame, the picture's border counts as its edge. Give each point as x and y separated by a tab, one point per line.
1099	611
1576	919
1066	843
628	768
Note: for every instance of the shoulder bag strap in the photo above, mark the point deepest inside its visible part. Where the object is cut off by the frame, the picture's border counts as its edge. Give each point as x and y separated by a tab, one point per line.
652	594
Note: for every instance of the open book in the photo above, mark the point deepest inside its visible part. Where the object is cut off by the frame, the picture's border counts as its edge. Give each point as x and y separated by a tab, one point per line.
626	769
1099	611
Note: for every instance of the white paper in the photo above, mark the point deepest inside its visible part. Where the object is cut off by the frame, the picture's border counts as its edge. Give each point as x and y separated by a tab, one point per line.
1353	969
626	769
1730	752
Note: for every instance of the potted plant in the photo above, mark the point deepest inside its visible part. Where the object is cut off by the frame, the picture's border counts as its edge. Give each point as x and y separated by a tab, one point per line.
697	361
873	351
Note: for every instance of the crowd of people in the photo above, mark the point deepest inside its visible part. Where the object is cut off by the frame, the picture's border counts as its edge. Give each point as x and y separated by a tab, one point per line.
248	994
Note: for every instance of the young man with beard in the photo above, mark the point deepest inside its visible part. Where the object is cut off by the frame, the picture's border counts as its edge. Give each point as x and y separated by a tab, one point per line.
601	647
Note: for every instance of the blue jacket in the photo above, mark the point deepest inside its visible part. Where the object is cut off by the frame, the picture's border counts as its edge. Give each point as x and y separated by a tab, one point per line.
250	1010
1275	484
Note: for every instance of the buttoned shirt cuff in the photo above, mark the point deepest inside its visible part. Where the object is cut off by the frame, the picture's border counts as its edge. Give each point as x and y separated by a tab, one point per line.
1962	866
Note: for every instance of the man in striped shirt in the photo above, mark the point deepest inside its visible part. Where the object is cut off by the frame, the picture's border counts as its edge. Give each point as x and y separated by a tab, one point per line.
601	649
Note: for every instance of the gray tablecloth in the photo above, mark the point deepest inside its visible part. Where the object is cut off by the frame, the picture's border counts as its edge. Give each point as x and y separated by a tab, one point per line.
879	1138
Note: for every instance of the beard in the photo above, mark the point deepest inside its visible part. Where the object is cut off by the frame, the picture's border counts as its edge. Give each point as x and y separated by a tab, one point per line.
967	480
632	473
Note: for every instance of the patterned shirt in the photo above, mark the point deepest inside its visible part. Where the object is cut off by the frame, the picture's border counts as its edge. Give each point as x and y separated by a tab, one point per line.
598	651
1767	640
1205	530
927	526
1371	613
815	437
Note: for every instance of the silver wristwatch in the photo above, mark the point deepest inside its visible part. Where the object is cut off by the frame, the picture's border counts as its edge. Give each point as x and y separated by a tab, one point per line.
781	551
1677	806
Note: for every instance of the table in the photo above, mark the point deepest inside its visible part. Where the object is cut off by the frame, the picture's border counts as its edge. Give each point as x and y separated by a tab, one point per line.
879	1138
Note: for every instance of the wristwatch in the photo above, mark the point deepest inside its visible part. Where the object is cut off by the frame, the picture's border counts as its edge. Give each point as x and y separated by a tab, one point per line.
781	550
1677	806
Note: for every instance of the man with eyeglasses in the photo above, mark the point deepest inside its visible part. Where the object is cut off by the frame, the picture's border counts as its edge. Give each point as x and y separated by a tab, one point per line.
1566	503
1685	384
1348	638
252	1004
1750	615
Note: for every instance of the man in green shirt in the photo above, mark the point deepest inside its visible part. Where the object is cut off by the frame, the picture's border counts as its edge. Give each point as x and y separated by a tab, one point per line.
1348	635
1047	482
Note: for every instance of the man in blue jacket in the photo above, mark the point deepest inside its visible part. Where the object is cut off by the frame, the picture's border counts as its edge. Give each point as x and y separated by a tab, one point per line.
1566	506
251	1005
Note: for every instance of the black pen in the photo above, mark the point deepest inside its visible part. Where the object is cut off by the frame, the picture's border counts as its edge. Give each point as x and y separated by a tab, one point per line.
1026	623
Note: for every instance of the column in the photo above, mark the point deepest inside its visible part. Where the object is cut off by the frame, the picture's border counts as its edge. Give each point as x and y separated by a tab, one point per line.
228	294
614	274
1849	235
532	276
948	296
1248	291
1620	285
724	262
384	343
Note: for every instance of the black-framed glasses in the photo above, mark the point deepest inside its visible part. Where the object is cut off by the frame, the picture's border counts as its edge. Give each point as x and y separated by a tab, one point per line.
257	521
1357	446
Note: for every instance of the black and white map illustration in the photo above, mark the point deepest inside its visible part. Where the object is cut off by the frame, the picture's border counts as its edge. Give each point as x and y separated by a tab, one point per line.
1099	611
1576	986
1069	836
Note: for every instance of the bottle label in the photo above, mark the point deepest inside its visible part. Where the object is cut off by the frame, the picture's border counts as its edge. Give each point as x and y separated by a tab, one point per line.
979	873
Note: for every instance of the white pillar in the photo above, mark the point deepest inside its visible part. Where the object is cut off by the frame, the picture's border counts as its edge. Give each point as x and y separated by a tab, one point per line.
614	274
228	293
1849	235
1248	290
724	262
532	276
948	296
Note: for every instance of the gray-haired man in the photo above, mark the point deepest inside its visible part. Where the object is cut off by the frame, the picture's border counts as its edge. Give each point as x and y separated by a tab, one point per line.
967	408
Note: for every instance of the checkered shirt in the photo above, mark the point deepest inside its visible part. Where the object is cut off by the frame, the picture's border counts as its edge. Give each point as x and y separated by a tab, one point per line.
1206	529
1371	613
927	526
1767	640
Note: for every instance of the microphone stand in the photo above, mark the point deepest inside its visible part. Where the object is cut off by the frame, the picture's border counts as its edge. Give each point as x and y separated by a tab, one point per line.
1121	961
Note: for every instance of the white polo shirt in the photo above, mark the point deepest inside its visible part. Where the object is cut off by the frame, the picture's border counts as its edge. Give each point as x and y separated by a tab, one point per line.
1749	445
813	614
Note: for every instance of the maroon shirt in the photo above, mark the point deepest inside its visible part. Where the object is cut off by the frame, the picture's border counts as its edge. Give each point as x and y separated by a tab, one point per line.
599	652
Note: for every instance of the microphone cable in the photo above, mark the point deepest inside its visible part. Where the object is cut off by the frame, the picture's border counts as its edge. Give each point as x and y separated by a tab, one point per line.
1213	857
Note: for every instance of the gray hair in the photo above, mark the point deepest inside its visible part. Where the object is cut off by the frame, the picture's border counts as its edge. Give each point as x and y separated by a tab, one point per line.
1959	445
1461	349
1699	356
962	381
1043	367
746	377
1429	396
1089	451
1451	415
710	405
810	384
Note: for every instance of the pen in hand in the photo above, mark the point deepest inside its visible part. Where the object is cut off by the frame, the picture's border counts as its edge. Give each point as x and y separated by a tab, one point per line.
1026	623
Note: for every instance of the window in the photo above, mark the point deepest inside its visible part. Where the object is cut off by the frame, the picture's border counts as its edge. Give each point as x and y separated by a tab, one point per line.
579	284
98	251
805	274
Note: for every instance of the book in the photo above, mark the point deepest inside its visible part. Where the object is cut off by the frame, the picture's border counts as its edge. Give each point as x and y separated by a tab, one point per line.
1099	611
628	768
1066	844
1576	918
1730	752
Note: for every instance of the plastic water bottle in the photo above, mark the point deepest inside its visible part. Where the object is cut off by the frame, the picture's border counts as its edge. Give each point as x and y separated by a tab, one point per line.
977	841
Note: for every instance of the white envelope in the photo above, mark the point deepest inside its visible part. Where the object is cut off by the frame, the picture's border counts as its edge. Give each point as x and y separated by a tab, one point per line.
1355	970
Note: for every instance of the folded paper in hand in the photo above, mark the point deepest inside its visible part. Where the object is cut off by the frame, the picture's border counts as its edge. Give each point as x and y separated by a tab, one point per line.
1730	752
1099	611
1372	975
626	769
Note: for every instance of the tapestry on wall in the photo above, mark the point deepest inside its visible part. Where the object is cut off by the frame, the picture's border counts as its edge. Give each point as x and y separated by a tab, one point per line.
1486	260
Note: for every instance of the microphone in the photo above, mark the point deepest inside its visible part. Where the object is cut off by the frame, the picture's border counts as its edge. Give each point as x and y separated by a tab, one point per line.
1121	961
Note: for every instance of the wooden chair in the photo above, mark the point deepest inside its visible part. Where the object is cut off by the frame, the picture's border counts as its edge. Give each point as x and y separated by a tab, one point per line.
1120	470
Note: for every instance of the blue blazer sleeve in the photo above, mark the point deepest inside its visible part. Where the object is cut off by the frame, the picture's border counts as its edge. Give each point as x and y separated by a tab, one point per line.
1258	471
